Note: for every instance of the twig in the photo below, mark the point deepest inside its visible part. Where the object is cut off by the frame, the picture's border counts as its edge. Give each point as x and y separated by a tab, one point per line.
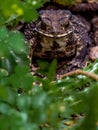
80	72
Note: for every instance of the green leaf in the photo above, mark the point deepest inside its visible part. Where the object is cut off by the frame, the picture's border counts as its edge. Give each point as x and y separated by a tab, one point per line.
3	34
4	107
16	42
6	64
18	118
3	73
52	70
3	93
33	15
91	118
21	70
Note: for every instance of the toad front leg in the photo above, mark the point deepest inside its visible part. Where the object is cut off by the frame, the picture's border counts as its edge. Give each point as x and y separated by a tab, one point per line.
82	43
33	65
35	47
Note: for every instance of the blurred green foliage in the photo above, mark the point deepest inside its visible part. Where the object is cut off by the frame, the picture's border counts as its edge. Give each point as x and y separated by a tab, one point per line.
32	103
66	2
15	10
13	49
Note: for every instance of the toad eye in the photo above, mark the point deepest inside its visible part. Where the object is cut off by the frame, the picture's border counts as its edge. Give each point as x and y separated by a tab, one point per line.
46	20
46	23
65	25
44	26
64	22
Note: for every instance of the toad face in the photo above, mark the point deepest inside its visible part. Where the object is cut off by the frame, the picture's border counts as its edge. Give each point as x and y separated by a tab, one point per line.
54	23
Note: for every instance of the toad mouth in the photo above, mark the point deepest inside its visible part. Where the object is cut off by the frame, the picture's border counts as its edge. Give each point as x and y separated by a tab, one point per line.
53	35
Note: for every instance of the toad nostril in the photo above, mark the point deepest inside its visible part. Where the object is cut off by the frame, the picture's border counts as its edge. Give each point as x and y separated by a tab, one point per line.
55	32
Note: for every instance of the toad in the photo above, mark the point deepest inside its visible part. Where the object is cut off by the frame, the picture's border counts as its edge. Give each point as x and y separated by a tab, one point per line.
58	34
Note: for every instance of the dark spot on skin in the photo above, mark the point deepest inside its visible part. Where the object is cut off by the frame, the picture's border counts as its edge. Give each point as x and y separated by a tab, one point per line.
48	54
71	40
59	54
55	45
39	47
